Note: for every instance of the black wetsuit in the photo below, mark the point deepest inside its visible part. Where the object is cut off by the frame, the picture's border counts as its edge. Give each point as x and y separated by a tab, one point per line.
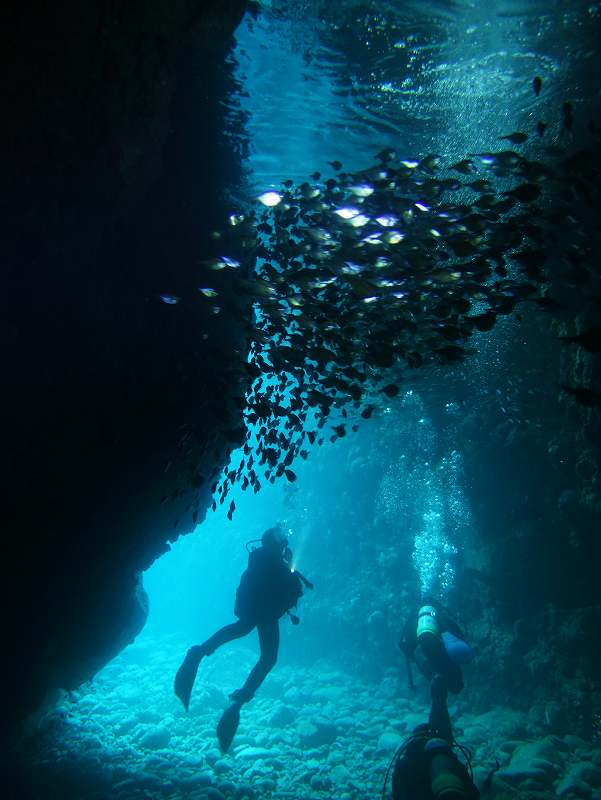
422	773
433	661
267	590
430	654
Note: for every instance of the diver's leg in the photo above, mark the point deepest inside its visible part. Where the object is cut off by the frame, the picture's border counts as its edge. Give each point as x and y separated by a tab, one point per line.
440	662
226	634
439	719
454	678
423	663
186	674
435	651
269	641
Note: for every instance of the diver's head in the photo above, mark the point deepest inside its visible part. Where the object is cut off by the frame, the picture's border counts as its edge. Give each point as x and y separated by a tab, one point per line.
275	539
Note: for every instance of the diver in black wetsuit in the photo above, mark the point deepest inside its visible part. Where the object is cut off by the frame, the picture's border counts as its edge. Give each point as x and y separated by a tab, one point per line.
268	589
425	766
437	644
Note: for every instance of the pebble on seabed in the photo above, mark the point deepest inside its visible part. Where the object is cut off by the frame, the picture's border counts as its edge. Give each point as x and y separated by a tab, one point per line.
128	737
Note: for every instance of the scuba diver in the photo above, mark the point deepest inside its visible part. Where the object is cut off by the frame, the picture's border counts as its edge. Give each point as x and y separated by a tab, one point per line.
426	766
437	644
268	589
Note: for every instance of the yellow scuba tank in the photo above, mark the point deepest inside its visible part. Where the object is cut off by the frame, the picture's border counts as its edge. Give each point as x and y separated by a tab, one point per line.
427	622
447	777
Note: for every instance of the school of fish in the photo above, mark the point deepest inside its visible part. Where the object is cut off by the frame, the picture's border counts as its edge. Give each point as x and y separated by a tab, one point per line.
361	277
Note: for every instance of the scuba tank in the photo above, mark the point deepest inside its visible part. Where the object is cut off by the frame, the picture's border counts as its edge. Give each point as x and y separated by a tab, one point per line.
427	622
427	634
284	588
448	777
286	558
425	765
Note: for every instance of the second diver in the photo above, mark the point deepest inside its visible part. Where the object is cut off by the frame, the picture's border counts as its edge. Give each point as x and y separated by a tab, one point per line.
268	589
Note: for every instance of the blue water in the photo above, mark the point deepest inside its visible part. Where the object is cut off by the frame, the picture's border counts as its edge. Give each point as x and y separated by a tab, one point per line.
377	518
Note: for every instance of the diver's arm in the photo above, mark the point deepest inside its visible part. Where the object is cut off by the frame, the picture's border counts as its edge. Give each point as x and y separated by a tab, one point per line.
447	623
305	581
406	646
452	627
405	643
410	683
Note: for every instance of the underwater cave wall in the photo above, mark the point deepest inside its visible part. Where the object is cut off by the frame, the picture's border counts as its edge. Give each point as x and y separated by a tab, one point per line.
117	406
530	585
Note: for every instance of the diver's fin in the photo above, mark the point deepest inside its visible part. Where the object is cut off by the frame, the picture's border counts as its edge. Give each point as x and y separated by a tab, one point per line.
228	725
186	675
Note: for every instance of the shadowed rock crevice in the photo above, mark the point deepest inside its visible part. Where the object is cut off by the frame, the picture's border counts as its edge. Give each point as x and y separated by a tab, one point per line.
118	407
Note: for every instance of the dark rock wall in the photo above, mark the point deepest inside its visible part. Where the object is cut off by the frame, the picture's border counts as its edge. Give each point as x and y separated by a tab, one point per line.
116	406
530	586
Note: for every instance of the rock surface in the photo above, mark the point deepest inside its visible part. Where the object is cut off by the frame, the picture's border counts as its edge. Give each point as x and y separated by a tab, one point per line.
108	393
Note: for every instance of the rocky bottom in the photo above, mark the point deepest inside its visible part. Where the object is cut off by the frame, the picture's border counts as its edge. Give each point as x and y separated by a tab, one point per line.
311	733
